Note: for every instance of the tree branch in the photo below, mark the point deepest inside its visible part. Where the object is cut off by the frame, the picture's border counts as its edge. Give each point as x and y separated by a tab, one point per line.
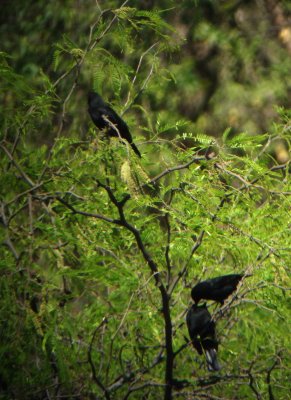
164	295
85	213
177	168
89	355
17	166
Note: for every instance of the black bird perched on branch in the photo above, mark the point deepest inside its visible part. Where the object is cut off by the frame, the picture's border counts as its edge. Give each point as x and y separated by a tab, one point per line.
217	289
104	117
201	330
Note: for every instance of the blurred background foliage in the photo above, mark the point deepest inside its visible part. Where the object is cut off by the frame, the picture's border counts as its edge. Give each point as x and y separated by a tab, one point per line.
194	77
223	63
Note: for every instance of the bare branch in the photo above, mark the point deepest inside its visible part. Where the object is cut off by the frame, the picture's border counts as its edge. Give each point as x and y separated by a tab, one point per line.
268	379
7	242
177	168
17	166
95	41
237	176
185	267
121	380
89	354
86	214
167	251
126	106
252	382
164	295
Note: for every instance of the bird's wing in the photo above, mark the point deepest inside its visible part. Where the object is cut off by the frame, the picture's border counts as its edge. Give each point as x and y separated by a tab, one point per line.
109	114
231	279
197	345
112	116
115	119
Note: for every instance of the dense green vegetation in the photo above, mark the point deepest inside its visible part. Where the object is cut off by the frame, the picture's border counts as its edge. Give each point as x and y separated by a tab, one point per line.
100	250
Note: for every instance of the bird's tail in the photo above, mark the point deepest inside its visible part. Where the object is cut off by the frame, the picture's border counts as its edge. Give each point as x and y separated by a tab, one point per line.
211	359
135	149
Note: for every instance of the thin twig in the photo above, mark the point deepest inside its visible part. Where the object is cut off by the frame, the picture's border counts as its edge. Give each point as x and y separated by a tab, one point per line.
17	166
252	382
177	168
89	354
86	214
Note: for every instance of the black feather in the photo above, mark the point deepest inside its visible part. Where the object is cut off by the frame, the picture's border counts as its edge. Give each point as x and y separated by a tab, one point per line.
217	289
100	111
201	330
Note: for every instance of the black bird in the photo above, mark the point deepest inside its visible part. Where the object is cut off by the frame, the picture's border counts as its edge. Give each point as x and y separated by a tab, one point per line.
217	289
100	111
201	330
